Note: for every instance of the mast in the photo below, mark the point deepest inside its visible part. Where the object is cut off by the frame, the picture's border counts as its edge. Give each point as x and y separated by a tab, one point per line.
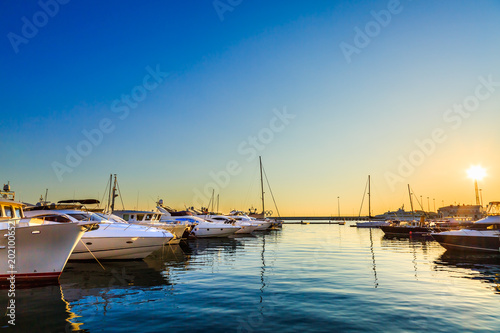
411	202
114	196
262	186
109	193
369	199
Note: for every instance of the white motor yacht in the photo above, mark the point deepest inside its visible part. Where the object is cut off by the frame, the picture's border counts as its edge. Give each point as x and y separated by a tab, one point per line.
246	226
202	228
34	249
262	224
151	219
113	240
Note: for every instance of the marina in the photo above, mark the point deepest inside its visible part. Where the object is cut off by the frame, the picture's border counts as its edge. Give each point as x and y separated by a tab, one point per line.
250	166
273	282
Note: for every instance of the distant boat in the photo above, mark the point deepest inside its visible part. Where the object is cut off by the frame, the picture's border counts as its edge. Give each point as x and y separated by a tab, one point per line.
371	223
407	228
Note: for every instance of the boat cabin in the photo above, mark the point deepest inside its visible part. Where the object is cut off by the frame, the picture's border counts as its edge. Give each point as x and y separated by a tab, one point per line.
10	210
136	216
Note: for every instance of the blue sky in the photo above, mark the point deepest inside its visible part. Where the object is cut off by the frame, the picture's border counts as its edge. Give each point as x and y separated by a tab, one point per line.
221	81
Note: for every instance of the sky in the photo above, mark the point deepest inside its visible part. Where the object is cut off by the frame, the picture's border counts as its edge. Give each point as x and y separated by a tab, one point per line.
180	98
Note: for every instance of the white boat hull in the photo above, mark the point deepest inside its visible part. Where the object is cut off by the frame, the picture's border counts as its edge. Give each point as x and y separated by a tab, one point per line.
213	231
104	248
247	229
116	241
41	251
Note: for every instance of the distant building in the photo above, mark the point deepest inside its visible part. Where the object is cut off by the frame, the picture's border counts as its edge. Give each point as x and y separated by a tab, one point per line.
473	212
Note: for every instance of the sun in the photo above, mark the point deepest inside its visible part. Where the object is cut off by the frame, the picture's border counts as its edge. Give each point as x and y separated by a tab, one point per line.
476	172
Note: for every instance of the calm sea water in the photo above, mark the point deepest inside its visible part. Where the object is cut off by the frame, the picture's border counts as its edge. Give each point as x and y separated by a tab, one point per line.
304	278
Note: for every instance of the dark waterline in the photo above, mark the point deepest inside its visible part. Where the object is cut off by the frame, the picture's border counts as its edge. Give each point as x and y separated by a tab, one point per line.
313	278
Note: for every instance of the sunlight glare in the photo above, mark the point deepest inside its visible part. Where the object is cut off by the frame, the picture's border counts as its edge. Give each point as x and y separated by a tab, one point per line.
476	172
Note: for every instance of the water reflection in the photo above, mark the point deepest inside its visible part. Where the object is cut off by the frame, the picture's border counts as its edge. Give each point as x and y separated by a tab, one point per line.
39	308
476	266
373	260
405	243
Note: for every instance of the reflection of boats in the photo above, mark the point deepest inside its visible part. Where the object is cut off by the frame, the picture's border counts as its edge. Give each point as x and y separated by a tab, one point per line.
34	248
90	291
84	278
486	264
373	259
483	235
204	245
371	223
39	308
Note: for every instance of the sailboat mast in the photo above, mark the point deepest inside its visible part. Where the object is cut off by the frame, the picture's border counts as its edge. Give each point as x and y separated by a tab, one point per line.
109	192
262	185
114	196
411	202
369	199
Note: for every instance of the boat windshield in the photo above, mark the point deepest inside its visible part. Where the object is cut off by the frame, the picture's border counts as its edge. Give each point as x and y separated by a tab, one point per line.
55	218
484	226
80	216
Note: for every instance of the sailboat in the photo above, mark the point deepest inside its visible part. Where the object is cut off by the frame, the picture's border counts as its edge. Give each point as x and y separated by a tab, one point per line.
371	223
262	216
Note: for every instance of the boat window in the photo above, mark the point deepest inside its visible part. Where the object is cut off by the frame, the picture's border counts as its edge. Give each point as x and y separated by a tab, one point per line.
19	212
55	218
148	217
479	227
126	217
140	217
494	227
9	212
80	217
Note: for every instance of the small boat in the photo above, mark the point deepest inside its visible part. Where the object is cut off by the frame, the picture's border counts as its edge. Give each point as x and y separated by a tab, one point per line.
406	229
34	249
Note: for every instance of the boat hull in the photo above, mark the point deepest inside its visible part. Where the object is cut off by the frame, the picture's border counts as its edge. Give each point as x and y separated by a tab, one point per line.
41	251
404	231
468	243
120	241
372	224
213	231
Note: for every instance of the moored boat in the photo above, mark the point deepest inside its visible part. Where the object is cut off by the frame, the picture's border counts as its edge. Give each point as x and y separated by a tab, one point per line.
112	240
482	236
34	249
